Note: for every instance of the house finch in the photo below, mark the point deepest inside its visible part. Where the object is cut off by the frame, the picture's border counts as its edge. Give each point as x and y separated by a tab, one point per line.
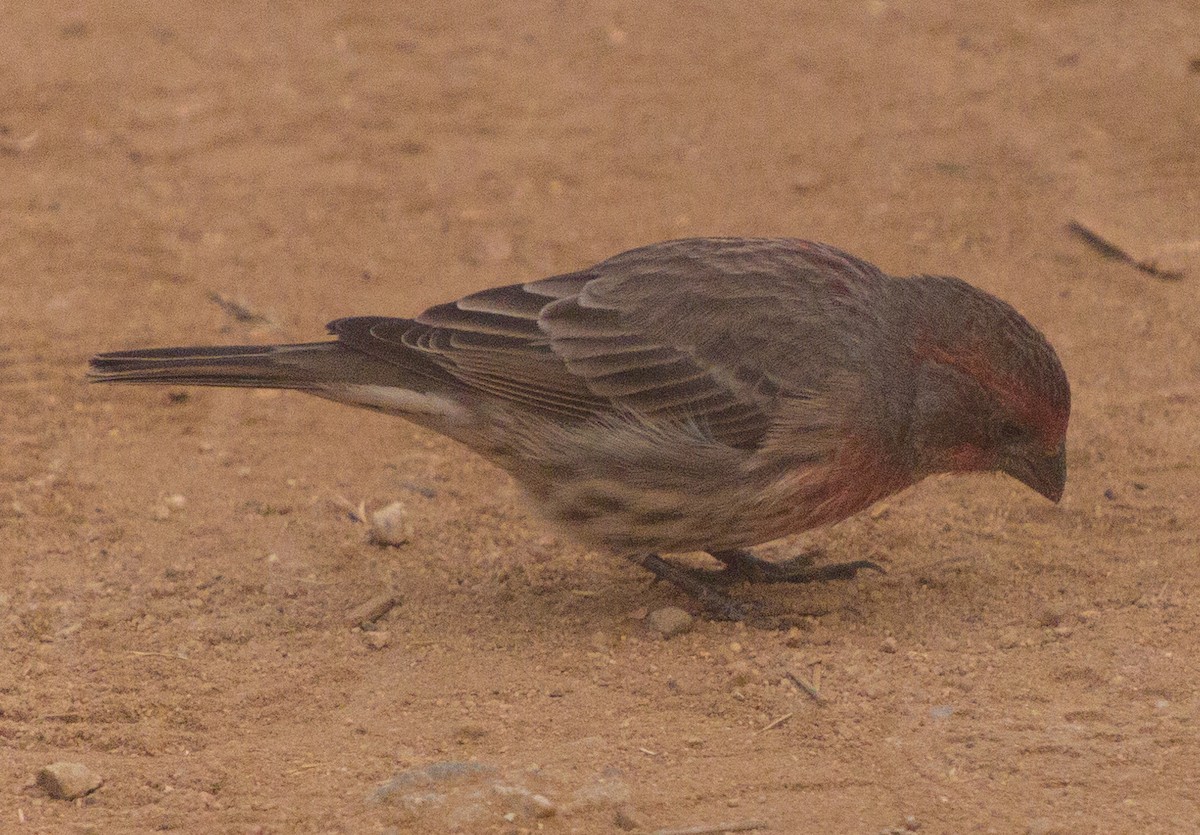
707	394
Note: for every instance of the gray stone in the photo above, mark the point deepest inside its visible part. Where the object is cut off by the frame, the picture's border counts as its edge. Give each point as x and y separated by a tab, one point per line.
669	621
67	781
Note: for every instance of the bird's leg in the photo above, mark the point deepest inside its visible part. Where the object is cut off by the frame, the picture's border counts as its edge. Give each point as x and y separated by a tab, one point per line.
701	585
742	566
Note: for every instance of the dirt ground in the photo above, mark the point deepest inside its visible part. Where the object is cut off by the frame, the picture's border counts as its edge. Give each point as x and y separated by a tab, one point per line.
179	571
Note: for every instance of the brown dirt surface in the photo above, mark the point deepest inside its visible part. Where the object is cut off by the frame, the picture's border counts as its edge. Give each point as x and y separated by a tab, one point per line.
179	569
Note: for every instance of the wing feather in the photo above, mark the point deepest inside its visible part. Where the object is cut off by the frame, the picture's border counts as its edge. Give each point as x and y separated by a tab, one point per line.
685	330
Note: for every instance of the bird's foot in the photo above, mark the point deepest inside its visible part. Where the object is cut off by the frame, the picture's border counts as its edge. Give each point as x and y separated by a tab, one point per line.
699	584
708	587
743	567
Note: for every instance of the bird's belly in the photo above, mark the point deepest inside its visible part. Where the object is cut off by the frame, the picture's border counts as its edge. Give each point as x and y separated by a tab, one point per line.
615	515
635	488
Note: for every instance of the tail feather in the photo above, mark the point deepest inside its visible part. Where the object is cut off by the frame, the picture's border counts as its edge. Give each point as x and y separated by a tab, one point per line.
312	366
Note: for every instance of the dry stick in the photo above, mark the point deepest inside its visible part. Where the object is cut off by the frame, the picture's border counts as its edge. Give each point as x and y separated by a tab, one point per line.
806	687
144	654
1110	250
776	722
356	514
235	309
714	829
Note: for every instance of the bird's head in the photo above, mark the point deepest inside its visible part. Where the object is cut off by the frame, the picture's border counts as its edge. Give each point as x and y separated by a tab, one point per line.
991	394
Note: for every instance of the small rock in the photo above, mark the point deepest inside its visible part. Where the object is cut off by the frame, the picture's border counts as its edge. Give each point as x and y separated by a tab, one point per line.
536	806
807	179
889	645
67	781
372	610
470	732
540	806
390	525
794	637
669	621
625	818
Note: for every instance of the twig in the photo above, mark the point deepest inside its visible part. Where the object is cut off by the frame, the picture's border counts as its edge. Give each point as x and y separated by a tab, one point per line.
807	687
237	310
356	514
1110	250
714	829
302	768
775	723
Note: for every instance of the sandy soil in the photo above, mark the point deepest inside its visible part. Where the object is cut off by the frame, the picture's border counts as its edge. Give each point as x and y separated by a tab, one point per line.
178	570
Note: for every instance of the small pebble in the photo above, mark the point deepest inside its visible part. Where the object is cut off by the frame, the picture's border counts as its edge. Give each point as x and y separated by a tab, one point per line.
540	806
807	179
67	781
390	525
669	621
371	611
889	644
625	818
741	674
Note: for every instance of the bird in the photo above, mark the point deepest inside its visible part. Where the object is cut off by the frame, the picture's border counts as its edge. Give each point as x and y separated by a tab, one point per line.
695	395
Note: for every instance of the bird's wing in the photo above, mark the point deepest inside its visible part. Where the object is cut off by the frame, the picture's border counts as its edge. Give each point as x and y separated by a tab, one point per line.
488	343
705	331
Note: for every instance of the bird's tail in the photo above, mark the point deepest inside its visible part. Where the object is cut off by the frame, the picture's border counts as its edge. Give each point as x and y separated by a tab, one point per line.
311	366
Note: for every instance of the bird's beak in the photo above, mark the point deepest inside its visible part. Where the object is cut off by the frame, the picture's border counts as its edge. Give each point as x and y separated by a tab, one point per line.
1045	472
